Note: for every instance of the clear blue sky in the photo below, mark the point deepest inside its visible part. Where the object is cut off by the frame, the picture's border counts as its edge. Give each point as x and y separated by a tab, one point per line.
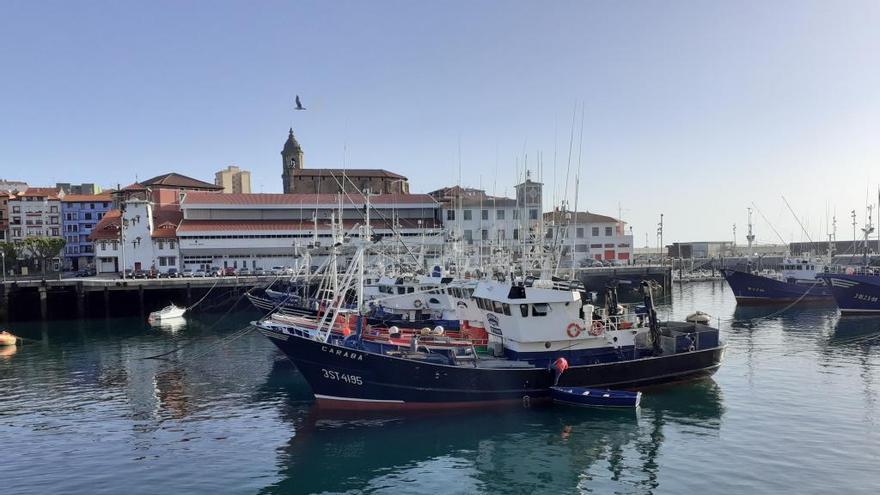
694	109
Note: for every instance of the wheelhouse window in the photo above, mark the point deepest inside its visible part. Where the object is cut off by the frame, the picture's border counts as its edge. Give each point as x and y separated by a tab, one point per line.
524	310
498	308
540	309
506	308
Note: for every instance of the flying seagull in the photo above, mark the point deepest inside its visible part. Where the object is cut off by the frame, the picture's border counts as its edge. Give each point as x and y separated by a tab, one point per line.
299	105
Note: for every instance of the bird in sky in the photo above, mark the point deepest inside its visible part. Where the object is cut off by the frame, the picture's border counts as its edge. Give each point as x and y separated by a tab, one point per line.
299	105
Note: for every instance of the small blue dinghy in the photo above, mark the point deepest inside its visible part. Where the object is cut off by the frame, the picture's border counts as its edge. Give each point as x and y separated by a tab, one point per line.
594	397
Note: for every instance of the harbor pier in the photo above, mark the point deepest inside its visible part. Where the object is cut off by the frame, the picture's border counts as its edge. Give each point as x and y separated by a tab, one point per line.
85	297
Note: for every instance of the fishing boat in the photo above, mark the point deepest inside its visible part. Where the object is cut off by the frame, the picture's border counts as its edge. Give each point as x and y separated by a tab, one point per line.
529	328
796	282
855	292
167	313
591	397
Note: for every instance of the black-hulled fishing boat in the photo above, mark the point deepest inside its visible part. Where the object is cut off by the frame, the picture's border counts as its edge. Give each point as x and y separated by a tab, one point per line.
530	328
797	281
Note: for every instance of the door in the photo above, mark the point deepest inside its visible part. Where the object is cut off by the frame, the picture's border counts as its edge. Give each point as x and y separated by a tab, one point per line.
137	265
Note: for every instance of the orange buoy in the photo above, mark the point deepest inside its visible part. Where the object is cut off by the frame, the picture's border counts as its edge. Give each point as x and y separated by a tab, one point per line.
346	332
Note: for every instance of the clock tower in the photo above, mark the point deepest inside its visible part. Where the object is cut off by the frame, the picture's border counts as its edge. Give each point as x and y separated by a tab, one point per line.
292	160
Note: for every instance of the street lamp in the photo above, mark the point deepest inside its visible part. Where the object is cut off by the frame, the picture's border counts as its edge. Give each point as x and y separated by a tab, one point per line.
3	255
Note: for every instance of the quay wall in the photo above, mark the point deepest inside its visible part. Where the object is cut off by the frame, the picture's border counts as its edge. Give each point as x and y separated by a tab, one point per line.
82	298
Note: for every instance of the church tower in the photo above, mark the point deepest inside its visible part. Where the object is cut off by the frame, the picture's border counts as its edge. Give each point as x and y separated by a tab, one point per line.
292	160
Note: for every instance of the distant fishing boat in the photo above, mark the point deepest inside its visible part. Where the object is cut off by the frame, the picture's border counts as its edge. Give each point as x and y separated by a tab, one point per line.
167	313
796	282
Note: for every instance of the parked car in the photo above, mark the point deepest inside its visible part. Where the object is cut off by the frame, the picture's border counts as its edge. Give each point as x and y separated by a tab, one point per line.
171	273
215	271
86	272
128	273
139	274
227	272
200	274
187	273
243	272
259	272
277	270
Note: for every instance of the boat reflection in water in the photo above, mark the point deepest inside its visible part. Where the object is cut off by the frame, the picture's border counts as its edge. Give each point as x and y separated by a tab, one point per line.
540	449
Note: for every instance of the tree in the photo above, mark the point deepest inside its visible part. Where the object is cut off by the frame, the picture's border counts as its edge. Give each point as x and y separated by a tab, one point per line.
44	248
10	252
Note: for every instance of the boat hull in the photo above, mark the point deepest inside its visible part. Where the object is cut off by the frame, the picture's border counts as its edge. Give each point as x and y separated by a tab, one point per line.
855	294
346	378
756	289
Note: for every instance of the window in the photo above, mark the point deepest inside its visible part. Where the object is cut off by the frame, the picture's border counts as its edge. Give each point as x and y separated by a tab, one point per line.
608	232
53	209
533	214
92	206
450	214
162	245
497	307
580	232
468	214
540	309
16	209
484	214
88	216
484	234
468	235
506	308
170	244
499	214
580	248
524	310
161	261
596	246
501	234
515	233
516	214
595	231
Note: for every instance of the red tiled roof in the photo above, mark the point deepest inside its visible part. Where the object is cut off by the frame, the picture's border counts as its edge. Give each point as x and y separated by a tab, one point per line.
347	172
107	228
135	186
164	222
194	197
289	225
175	180
50	192
87	198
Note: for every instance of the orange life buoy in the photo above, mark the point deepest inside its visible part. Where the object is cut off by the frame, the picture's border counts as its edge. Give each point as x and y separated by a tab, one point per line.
597	328
573	330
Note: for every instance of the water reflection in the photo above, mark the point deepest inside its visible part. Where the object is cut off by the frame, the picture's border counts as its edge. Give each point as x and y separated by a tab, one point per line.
505	450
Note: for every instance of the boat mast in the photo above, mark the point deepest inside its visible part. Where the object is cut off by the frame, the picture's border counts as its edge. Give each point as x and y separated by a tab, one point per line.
750	239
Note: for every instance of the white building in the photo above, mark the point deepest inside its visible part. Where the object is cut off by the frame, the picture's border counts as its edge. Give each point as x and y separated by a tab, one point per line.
483	220
147	240
36	212
594	237
265	230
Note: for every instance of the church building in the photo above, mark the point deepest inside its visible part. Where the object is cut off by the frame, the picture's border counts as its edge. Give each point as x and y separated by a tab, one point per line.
300	180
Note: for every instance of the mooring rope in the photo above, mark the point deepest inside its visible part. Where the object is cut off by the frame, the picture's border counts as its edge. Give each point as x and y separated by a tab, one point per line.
205	296
776	313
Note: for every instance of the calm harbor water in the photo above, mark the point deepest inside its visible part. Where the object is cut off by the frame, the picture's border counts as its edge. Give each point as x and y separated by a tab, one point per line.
794	408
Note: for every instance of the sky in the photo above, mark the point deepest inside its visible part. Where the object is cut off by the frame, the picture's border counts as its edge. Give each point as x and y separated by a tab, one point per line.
696	110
